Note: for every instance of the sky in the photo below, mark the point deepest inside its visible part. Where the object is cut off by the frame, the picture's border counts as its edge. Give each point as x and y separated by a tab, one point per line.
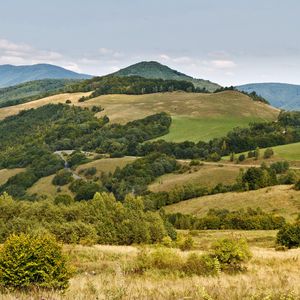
230	42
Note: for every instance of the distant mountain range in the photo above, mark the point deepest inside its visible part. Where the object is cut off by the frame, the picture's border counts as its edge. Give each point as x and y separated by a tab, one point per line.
12	75
281	95
153	69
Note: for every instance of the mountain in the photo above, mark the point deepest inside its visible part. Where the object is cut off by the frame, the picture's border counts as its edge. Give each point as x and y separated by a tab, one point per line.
153	69
281	95
12	75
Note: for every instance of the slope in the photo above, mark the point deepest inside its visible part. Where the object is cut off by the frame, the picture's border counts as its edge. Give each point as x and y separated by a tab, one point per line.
12	75
283	200
32	90
281	95
196	116
153	69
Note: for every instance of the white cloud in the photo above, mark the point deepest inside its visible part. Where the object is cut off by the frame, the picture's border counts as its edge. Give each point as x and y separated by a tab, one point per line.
223	64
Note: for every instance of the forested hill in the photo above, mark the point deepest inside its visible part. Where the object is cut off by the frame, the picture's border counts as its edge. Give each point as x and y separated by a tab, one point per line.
32	90
12	75
152	69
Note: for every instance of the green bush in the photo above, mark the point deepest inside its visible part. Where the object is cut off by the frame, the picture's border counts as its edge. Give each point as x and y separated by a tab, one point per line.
268	153
201	265
289	235
33	261
231	253
62	177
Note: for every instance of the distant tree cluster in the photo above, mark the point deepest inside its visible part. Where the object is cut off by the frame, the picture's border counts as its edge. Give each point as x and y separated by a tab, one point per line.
249	219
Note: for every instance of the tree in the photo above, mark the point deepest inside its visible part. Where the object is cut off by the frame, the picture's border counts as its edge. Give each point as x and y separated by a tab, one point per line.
257	153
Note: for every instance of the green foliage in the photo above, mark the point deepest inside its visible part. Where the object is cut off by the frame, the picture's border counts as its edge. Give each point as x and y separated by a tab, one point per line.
101	220
255	178
62	177
268	153
289	235
224	219
32	90
280	167
132	85
186	243
202	265
33	262
231	253
135	177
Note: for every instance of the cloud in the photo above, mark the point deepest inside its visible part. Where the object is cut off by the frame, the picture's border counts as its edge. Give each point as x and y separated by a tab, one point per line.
223	64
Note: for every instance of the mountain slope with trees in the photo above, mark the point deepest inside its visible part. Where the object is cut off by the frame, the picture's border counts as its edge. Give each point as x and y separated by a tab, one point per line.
153	69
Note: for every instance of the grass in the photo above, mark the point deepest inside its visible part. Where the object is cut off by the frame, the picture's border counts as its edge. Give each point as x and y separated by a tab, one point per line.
206	175
282	200
196	116
289	152
100	275
5	174
106	165
60	98
44	187
204	129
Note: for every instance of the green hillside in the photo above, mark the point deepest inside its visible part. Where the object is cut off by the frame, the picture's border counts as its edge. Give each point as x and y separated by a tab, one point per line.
153	69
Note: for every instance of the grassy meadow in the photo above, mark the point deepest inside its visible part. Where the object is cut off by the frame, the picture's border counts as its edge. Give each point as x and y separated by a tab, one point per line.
281	199
101	273
205	175
196	116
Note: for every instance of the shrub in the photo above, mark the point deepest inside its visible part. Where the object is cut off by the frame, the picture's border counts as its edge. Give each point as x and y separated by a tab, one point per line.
242	157
62	177
186	244
68	101
289	235
231	253
33	261
63	199
268	153
201	265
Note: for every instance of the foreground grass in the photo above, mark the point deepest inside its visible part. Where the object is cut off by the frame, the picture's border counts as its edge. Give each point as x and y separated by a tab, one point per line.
100	275
282	200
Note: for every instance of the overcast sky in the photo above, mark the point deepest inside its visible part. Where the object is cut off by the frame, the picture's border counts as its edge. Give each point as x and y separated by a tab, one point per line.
230	42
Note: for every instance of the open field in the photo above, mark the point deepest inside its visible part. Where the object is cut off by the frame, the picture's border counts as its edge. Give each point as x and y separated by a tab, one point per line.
196	116
206	175
100	275
107	165
60	98
45	187
5	174
282	200
289	152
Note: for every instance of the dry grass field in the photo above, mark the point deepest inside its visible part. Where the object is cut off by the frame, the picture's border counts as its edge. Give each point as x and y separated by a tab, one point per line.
282	200
206	175
100	274
106	165
5	174
44	187
196	116
60	98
